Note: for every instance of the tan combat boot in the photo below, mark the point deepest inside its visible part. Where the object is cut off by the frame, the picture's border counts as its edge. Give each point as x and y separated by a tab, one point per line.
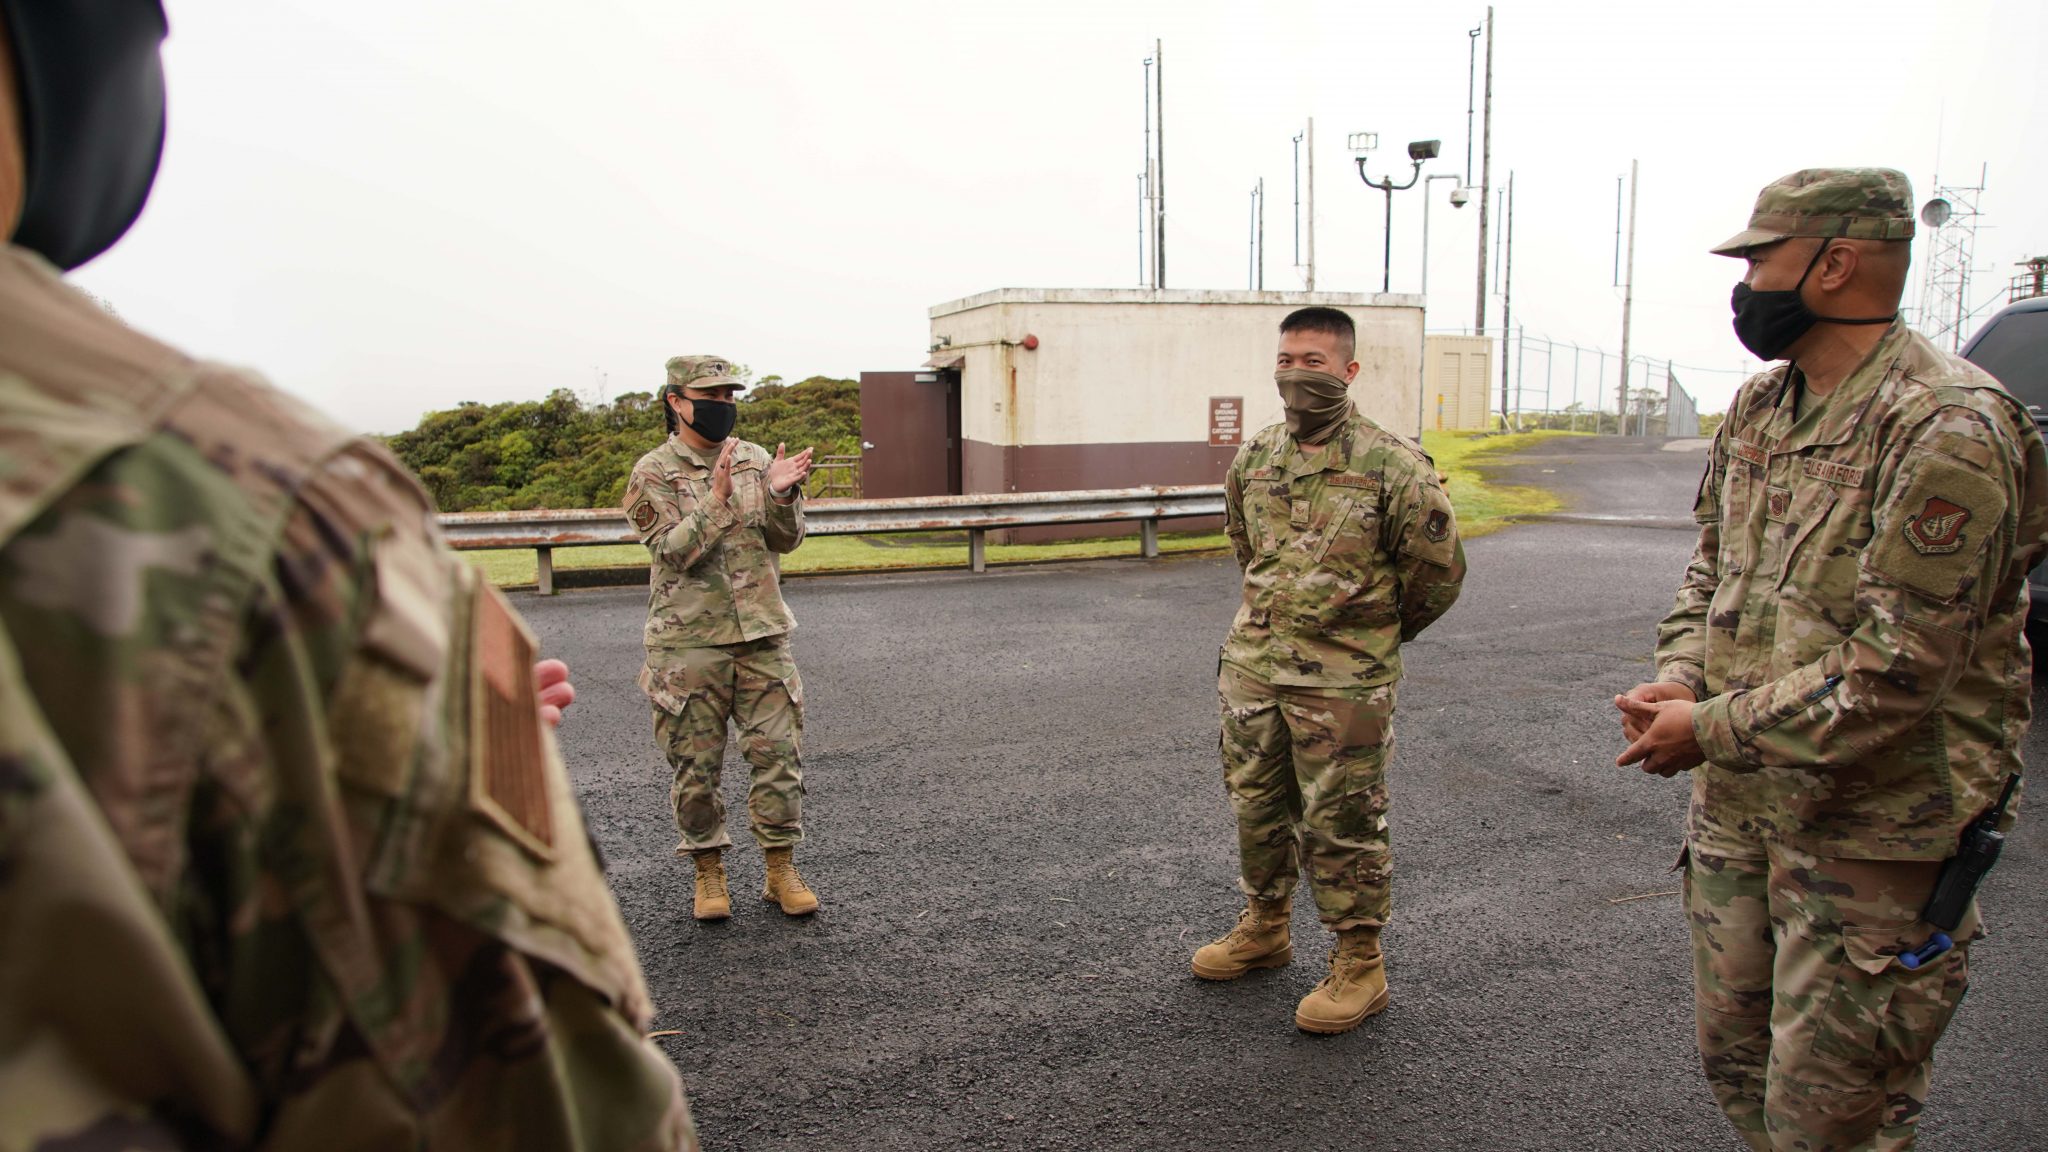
713	901
786	887
1355	988
1259	941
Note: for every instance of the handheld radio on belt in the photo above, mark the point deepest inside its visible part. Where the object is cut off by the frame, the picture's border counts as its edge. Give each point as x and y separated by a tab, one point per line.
1960	874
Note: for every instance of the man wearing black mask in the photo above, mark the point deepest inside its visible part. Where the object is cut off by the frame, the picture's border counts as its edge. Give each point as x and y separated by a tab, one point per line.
1349	549
715	512
1844	673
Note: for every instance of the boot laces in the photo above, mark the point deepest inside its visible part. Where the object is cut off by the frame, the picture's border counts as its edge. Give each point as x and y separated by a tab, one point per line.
713	884
788	879
1248	925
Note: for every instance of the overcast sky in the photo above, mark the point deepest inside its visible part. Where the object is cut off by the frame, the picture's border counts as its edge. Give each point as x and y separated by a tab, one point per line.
393	206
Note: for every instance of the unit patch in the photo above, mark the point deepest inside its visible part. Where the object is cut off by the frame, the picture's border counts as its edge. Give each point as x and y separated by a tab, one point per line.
1438	526
1846	475
1938	528
643	515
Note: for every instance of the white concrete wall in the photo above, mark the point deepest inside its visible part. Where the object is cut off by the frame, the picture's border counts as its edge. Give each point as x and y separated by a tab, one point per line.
1133	366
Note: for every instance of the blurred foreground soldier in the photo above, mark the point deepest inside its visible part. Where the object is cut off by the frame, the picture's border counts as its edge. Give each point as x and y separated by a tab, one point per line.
288	859
1844	671
1349	548
715	512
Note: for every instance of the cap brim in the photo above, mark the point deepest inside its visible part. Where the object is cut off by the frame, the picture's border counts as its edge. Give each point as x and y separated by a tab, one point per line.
1746	239
709	382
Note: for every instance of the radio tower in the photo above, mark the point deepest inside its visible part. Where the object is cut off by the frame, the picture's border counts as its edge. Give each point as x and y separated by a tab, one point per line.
1951	221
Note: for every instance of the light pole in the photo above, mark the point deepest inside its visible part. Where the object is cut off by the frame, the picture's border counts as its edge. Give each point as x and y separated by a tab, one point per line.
1418	152
1458	197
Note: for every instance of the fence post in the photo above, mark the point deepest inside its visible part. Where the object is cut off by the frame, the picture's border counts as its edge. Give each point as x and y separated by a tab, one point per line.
1150	538
977	549
544	570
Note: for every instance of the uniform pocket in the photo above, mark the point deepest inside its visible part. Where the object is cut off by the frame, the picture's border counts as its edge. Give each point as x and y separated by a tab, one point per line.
1879	1016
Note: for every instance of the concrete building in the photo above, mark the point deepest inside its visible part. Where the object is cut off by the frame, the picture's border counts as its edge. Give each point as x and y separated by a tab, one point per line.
1040	390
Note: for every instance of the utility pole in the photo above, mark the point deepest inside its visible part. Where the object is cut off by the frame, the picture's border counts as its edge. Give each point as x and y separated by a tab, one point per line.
1261	285
1144	266
1628	299
1297	199
1485	185
1471	76
1145	189
1507	298
1311	204
1255	257
1159	179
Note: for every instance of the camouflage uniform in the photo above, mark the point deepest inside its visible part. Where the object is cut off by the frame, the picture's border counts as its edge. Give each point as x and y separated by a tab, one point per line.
717	633
1852	625
1347	551
287	858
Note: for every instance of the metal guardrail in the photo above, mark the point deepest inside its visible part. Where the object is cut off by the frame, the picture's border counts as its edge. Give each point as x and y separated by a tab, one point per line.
544	531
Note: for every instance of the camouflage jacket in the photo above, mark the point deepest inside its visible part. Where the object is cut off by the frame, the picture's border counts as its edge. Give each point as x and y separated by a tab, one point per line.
1852	619
1347	551
287	858
716	579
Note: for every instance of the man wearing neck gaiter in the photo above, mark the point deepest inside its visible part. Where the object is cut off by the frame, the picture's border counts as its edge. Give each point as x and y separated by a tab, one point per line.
1349	547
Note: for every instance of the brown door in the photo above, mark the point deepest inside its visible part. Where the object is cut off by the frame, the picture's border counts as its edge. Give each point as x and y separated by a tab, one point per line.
910	433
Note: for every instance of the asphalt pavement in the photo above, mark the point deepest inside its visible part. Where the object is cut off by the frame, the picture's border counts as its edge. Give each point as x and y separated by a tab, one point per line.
1019	833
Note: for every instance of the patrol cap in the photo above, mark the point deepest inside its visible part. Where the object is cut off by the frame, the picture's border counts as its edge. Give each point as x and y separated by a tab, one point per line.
702	372
1854	203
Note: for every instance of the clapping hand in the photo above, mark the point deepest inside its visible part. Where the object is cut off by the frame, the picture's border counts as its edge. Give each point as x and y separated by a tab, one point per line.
788	473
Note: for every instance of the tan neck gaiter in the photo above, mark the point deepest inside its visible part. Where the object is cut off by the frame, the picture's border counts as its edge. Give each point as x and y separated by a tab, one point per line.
1316	402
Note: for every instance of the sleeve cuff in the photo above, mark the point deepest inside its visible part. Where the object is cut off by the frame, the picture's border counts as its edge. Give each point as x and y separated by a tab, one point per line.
1713	726
1688	676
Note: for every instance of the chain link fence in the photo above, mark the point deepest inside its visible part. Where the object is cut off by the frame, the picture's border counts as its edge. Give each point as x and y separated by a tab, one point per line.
1559	385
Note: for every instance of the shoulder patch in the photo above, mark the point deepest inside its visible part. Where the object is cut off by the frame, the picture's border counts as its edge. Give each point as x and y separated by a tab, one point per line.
643	515
1437	526
1937	527
508	781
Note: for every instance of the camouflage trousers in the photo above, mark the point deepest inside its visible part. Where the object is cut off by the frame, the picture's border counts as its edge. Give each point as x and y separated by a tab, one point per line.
754	686
1306	769
1813	1035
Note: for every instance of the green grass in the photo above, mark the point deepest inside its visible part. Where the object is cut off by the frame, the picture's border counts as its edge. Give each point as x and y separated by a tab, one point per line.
857	553
1484	506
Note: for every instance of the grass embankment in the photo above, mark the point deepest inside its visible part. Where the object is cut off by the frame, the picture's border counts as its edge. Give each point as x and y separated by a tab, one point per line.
1482	507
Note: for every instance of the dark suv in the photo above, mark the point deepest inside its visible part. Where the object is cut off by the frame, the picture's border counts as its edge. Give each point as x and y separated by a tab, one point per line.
2013	346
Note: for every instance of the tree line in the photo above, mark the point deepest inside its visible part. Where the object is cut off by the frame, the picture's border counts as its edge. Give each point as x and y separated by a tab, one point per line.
566	452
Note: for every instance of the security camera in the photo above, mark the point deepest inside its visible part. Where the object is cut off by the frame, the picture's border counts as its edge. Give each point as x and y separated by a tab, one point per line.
1420	150
1459	196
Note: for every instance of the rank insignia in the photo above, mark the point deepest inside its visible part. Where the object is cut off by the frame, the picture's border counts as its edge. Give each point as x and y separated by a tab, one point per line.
1938	529
1438	526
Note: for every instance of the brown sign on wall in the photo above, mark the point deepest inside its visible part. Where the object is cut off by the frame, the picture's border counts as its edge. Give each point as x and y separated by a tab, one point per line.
1226	421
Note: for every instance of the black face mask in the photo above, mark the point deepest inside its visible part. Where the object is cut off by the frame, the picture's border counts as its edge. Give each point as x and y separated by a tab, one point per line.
92	116
1769	323
713	419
